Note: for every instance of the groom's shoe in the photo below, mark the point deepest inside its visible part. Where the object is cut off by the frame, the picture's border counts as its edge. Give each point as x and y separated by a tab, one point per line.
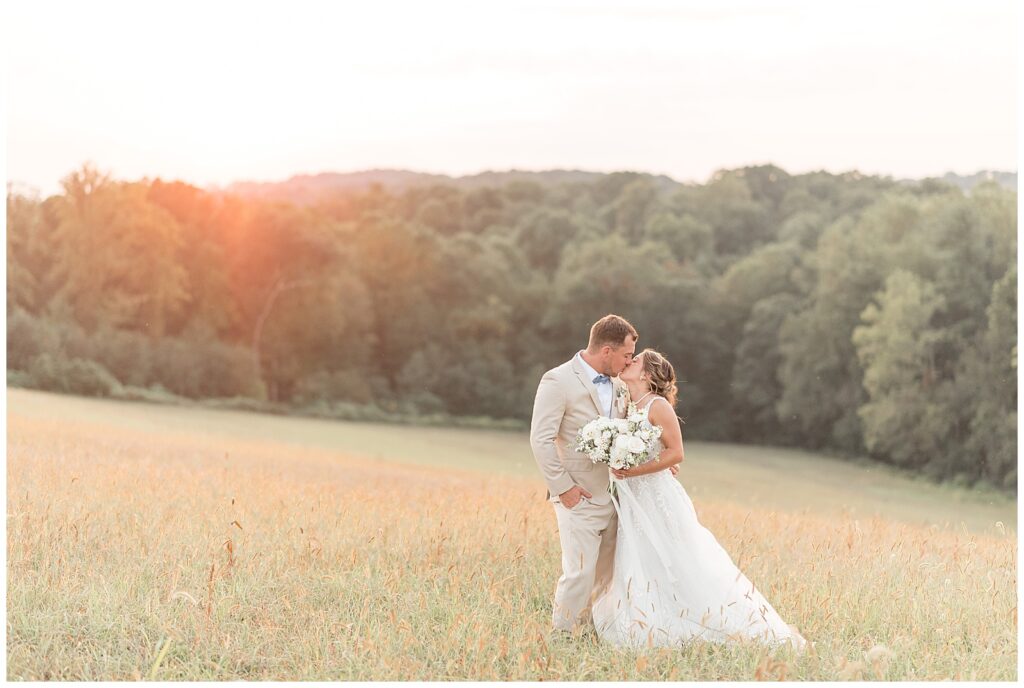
579	633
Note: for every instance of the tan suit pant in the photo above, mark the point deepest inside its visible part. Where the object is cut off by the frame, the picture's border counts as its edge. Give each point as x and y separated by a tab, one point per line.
587	534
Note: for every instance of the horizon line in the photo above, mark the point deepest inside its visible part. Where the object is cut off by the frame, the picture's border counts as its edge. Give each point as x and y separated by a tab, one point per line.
13	182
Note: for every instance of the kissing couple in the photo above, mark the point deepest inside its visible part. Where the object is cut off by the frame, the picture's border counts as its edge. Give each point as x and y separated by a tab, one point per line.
638	568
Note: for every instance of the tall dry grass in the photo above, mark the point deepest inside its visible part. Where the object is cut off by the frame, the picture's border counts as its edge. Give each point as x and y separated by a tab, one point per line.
170	555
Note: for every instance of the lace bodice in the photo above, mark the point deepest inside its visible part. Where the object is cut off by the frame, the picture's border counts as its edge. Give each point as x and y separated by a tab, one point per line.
658	446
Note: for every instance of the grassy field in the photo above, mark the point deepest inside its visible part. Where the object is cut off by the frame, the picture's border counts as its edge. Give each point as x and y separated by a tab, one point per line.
182	543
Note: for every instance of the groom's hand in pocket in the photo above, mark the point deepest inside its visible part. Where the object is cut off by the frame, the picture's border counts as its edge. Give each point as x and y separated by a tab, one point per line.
571	497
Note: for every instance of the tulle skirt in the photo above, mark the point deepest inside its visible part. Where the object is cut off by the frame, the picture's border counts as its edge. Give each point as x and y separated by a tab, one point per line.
673	583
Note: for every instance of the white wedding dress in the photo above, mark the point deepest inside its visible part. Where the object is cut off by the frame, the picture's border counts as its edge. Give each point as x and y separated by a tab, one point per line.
672	581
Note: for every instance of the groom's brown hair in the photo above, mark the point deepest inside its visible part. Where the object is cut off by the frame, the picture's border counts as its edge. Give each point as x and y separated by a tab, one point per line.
612	330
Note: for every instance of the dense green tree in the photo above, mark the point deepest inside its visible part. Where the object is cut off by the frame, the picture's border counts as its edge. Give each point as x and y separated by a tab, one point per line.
118	264
204	220
688	238
904	417
739	221
987	382
846	313
543	234
629	213
754	385
27	262
396	261
607	275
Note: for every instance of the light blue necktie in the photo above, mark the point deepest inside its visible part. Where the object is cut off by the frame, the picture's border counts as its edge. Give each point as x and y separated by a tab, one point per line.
601	378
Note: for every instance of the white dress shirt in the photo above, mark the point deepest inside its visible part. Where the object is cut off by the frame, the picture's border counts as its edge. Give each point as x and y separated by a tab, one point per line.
605	390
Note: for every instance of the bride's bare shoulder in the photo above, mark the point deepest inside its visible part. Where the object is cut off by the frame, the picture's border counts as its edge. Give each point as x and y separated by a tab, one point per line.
660	412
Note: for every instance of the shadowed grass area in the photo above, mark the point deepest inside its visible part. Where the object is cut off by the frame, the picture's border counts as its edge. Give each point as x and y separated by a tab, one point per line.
178	543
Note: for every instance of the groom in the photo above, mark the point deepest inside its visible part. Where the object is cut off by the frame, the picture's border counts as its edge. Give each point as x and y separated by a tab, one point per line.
570	396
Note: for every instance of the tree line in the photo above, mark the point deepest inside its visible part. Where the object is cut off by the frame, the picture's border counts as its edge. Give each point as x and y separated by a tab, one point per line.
844	313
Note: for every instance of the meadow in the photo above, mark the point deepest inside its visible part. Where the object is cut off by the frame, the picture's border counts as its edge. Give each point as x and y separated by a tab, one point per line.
179	543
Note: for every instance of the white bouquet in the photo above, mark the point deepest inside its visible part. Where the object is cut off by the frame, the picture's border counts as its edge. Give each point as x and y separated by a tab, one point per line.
618	442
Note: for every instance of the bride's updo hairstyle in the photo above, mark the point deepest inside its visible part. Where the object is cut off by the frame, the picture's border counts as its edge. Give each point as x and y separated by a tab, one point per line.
661	376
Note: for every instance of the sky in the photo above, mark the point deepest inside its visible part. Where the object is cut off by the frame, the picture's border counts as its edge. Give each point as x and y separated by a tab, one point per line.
216	92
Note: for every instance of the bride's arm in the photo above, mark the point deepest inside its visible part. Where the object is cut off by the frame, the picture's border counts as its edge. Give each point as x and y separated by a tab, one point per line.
664	417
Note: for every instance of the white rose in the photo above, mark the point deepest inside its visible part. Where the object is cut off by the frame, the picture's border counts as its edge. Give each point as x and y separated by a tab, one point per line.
635	445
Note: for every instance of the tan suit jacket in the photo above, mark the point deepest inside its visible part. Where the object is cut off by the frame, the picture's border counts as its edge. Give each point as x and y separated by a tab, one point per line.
566	401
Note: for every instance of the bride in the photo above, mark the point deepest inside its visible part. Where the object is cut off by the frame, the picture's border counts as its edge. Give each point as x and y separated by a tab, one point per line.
672	581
